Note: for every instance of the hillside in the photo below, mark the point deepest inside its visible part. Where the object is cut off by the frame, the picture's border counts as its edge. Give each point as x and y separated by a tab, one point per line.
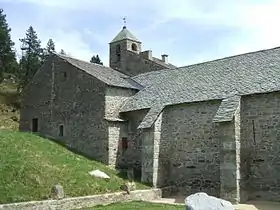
31	165
9	100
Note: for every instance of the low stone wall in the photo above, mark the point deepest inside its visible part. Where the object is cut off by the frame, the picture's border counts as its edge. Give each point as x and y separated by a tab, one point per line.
86	201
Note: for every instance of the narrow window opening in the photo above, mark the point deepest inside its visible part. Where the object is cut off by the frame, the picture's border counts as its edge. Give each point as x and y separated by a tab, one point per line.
118	49
35	125
134	47
118	57
124	144
61	130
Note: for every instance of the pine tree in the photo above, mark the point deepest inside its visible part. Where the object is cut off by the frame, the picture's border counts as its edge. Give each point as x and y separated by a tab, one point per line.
96	59
62	52
32	57
8	61
50	46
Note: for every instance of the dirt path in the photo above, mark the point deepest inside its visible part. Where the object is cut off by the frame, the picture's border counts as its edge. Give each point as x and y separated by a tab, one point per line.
252	205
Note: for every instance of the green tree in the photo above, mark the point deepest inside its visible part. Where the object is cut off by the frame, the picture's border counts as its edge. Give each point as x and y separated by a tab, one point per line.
32	57
62	52
50	46
96	59
8	61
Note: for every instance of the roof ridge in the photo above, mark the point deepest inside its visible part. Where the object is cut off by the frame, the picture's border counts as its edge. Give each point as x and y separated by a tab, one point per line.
210	61
105	74
67	56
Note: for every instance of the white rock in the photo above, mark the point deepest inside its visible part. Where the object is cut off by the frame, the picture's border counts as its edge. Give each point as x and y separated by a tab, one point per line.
57	192
202	201
99	174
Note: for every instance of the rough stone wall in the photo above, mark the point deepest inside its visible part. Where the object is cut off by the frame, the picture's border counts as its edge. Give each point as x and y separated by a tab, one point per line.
152	172
36	100
115	61
114	99
134	64
85	202
116	131
229	141
132	157
76	101
260	143
189	143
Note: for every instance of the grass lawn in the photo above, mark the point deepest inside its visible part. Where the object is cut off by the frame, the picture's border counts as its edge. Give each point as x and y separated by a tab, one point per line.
31	165
137	205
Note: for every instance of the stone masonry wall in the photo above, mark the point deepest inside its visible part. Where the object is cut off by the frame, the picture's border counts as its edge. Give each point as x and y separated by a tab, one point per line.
152	167
75	100
114	98
36	105
188	141
117	129
86	201
229	141
117	58
132	157
260	145
135	64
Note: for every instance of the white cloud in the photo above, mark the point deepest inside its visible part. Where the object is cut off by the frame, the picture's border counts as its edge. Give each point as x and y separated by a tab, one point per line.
77	48
257	19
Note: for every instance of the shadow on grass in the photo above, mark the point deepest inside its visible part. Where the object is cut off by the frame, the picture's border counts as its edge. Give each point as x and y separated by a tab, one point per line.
121	172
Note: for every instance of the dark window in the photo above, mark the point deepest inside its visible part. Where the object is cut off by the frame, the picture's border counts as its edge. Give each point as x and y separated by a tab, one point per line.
65	74
34	125
61	130
134	47
118	57
118	48
124	144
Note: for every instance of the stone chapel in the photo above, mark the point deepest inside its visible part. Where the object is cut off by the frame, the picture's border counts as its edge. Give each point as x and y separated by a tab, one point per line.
211	127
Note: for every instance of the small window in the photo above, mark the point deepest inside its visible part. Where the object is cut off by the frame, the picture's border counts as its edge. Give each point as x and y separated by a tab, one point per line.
61	130
64	75
124	144
134	47
35	125
118	48
118	57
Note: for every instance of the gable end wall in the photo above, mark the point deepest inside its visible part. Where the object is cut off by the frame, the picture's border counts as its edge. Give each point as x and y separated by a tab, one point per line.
77	102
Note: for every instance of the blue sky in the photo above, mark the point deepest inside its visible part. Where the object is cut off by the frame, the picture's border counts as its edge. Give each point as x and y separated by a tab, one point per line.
189	31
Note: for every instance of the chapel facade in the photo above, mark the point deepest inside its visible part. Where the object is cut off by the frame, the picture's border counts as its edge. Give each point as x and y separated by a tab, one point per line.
211	127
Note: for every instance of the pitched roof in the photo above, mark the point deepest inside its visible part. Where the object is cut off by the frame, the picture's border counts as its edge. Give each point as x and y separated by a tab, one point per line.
250	73
124	34
105	74
227	109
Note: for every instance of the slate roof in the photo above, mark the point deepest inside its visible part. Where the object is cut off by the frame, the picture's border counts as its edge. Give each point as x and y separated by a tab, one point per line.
124	34
250	73
227	109
105	74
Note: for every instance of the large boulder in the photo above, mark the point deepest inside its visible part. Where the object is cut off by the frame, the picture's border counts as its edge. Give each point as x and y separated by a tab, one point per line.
202	201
